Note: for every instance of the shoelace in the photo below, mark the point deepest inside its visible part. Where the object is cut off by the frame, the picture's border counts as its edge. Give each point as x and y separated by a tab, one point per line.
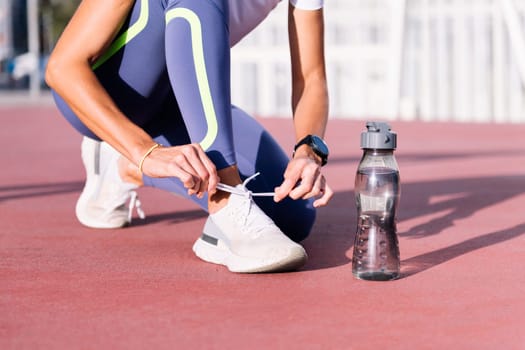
244	191
242	213
134	203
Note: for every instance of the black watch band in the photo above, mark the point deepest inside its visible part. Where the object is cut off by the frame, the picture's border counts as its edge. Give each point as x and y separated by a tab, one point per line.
317	145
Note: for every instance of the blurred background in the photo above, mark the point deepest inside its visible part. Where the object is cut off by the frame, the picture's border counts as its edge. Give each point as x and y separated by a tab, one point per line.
430	60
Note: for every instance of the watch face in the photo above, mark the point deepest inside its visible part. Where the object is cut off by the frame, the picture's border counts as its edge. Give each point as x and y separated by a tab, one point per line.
320	145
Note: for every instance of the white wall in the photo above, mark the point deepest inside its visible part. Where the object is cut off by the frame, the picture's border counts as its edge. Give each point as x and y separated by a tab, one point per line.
461	60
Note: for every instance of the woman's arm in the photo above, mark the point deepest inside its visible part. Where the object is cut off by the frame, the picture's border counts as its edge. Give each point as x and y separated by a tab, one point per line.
90	31
309	87
309	104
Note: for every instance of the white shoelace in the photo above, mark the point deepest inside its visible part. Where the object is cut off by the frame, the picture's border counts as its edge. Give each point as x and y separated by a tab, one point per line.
244	191
134	203
242	213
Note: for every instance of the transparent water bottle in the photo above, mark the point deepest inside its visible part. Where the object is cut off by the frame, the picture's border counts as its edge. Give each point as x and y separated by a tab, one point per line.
377	190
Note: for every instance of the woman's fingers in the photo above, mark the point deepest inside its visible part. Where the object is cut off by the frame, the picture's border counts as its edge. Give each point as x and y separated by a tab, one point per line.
206	171
303	180
202	169
327	194
189	163
209	171
310	176
317	189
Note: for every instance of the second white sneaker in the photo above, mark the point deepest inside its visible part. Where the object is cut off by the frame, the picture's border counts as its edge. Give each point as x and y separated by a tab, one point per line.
243	238
102	203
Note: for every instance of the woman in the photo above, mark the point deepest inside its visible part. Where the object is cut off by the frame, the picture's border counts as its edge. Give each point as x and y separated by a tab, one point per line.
150	78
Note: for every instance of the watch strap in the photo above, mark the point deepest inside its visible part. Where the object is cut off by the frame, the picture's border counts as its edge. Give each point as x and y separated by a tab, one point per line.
309	140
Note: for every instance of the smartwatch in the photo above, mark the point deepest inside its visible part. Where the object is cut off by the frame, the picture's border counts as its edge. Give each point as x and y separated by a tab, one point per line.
317	145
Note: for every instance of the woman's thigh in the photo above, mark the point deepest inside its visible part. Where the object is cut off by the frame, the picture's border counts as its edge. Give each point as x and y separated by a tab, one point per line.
133	69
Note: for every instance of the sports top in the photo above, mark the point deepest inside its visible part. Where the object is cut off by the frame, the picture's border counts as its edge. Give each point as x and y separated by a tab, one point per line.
245	15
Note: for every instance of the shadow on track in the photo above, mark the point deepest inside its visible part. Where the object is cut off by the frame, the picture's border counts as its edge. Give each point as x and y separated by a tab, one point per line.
450	199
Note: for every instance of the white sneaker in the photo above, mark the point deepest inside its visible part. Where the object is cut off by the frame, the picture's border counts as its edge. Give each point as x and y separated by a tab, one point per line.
243	238
102	203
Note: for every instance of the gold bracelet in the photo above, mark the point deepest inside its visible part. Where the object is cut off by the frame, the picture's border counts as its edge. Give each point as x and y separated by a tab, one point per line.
148	152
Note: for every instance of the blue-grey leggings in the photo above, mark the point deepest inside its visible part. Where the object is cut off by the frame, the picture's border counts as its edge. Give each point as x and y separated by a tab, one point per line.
168	70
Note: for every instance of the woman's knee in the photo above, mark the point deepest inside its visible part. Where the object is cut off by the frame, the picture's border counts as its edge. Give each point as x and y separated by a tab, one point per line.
297	219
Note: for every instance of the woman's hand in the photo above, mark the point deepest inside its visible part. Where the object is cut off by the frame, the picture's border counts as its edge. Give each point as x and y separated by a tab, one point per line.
189	163
303	179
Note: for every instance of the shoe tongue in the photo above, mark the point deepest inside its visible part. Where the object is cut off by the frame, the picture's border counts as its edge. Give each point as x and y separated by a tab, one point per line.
241	204
241	188
239	201
239	197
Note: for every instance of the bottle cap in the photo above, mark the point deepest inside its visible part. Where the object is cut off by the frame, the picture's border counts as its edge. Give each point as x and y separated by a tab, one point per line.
378	135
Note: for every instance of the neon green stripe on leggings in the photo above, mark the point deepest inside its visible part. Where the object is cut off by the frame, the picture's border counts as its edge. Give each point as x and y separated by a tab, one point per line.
127	36
200	70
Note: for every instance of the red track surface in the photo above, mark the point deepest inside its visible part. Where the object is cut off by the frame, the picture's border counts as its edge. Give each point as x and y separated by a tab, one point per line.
462	241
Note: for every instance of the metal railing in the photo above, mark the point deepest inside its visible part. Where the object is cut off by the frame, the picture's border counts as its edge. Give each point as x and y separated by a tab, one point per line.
435	60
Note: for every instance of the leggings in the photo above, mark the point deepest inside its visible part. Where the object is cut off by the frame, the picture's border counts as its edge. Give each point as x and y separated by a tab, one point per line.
168	70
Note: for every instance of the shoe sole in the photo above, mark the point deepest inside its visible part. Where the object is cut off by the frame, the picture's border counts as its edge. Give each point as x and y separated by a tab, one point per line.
89	221
213	250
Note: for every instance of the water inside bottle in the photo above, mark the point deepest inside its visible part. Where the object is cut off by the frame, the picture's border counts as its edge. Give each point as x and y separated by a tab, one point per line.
376	249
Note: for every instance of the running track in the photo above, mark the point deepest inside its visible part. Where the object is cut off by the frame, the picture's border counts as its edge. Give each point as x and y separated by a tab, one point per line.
462	241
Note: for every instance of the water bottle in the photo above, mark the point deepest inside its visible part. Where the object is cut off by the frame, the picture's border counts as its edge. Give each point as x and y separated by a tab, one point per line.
376	250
